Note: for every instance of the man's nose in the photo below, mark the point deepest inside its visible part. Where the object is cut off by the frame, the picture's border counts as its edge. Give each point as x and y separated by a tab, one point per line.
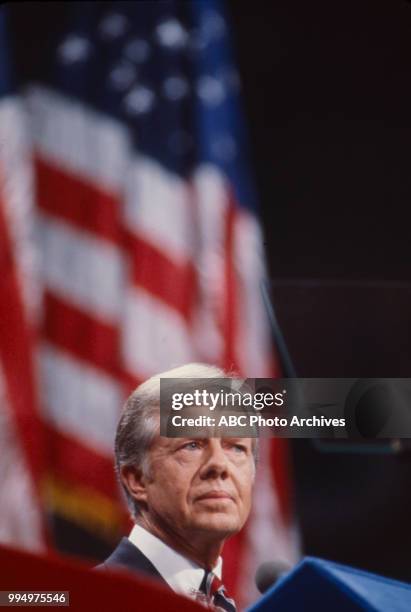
215	461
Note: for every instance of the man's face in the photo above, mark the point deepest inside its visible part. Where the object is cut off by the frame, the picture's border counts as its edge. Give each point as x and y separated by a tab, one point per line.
199	486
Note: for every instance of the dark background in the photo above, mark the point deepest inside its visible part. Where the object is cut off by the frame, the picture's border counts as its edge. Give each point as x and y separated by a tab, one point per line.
328	99
327	94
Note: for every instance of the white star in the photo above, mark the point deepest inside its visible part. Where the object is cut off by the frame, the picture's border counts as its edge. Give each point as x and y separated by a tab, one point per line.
175	88
122	75
211	90
139	100
137	50
171	34
74	48
113	26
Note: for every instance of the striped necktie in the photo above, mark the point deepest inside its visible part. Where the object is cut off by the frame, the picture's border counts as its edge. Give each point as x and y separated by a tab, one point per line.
216	592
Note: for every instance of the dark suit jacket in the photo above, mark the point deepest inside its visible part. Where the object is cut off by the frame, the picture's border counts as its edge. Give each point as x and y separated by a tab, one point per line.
128	556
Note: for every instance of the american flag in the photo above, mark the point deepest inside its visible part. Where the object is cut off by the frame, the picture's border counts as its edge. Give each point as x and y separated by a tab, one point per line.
151	249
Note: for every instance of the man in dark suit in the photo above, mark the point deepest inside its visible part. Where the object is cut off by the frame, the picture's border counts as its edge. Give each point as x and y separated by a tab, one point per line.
186	495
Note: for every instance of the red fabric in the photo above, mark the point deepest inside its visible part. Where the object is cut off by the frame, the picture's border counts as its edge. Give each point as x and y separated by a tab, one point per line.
77	201
230	321
89	590
70	460
155	271
80	334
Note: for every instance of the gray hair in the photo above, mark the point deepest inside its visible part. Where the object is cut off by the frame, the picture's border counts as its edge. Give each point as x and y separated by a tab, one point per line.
139	421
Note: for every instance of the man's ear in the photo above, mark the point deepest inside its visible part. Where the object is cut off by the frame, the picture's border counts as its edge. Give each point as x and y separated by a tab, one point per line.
135	483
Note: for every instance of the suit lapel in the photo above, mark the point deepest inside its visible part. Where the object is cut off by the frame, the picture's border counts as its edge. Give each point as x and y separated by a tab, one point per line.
129	556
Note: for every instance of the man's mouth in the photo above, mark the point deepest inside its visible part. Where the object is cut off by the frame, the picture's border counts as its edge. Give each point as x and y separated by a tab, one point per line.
220	495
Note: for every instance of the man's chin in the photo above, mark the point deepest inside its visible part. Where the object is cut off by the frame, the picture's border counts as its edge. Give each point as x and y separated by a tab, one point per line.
219	524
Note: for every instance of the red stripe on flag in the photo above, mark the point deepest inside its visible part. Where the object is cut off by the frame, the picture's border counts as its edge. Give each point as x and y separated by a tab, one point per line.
76	463
83	336
16	345
281	469
230	316
173	283
77	201
130	381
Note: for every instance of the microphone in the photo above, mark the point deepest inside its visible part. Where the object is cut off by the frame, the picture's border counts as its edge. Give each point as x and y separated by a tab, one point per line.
269	573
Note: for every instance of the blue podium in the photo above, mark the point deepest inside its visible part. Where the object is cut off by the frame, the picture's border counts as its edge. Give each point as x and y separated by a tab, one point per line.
315	585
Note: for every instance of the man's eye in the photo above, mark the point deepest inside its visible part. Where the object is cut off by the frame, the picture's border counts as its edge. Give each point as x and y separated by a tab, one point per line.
191	445
240	448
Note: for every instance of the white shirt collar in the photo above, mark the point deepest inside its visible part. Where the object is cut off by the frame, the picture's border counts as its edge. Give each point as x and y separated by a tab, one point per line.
182	575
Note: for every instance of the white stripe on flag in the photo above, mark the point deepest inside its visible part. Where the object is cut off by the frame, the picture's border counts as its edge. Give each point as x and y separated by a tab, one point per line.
79	400
211	198
82	269
155	337
158	206
77	139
